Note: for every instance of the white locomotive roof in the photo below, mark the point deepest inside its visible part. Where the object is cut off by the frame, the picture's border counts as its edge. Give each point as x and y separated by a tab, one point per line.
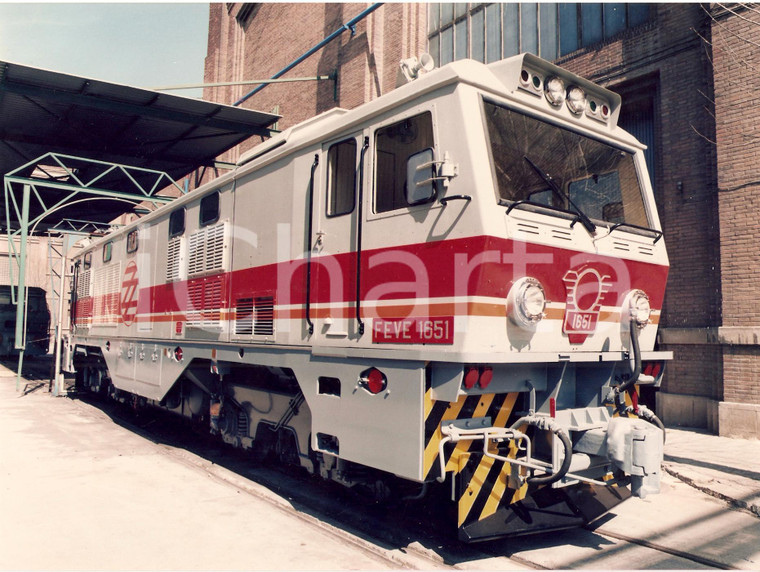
499	78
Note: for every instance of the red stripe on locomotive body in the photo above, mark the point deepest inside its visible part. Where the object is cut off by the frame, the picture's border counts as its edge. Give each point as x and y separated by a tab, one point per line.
482	266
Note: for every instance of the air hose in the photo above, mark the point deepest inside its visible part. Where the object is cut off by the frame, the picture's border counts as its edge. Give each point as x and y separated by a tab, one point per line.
547	424
640	411
636	351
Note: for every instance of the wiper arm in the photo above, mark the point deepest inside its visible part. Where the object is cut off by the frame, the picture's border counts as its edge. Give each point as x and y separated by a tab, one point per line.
589	226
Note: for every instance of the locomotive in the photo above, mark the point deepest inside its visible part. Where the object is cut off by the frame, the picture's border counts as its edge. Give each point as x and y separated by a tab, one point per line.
37	329
458	282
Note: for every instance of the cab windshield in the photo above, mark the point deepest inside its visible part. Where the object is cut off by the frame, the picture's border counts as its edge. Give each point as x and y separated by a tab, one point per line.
590	177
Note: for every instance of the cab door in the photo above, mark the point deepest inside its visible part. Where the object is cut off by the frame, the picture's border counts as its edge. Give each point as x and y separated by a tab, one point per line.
335	242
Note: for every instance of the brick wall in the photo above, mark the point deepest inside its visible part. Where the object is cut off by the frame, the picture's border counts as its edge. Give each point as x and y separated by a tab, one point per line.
667	56
736	55
275	34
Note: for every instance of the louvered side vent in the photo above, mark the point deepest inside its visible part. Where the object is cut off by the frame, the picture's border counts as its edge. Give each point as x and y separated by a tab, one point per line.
214	248
562	234
194	304
173	258
263	316
527	228
196	252
206	250
83	284
106	290
244	317
204	304
213	304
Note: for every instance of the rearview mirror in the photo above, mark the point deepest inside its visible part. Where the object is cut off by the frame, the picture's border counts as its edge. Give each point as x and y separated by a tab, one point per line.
420	177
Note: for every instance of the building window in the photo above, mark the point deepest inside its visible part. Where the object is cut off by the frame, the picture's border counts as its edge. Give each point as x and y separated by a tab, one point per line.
245	12
490	32
341	178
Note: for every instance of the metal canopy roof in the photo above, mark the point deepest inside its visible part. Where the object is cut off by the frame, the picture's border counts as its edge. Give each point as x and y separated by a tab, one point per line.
44	111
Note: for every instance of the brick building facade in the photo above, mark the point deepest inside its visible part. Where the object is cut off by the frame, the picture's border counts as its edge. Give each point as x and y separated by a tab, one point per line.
686	75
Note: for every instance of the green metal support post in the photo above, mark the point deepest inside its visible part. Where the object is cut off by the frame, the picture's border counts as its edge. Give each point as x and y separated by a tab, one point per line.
20	342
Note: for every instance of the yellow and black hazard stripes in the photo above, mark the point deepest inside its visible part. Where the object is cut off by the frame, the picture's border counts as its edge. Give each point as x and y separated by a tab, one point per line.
483	481
497	407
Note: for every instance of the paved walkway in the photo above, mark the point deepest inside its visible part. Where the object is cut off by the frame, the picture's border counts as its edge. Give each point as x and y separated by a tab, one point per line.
726	468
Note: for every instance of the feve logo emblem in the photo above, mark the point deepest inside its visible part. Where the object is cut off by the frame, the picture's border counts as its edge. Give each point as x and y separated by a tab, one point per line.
585	288
129	284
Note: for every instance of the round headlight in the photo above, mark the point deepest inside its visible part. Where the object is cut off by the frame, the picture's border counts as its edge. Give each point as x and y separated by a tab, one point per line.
639	307
554	89
576	99
527	302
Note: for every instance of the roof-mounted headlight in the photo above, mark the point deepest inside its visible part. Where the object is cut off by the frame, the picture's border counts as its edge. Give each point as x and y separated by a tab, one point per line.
526	302
554	90
576	99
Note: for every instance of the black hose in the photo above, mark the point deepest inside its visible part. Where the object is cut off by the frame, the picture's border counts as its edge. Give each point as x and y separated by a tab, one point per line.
647	415
634	377
420	495
566	443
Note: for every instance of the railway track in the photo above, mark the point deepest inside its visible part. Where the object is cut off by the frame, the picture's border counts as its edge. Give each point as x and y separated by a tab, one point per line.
686	556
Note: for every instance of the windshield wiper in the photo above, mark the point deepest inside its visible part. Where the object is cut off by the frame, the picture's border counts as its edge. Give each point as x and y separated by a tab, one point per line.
588	225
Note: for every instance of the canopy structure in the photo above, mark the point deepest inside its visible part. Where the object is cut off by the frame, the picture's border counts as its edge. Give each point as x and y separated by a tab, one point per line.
78	152
43	112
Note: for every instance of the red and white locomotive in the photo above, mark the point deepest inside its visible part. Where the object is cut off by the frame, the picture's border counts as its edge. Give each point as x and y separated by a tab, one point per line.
458	281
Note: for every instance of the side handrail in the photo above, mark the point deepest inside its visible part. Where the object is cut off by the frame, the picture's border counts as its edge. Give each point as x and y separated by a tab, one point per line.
359	225
309	244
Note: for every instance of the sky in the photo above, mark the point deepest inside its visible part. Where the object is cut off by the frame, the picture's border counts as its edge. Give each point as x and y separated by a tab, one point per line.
140	44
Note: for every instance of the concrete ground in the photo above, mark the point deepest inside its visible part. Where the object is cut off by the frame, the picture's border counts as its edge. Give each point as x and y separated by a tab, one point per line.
80	492
723	467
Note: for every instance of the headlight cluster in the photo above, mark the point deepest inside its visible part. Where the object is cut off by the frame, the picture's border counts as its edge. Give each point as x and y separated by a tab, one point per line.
557	93
526	302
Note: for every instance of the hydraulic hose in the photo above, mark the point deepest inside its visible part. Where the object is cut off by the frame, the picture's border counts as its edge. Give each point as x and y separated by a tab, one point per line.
642	412
636	351
550	425
648	415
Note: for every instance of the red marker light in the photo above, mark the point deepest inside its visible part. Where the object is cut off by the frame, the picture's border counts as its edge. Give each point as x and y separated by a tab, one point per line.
471	376
486	376
178	353
373	380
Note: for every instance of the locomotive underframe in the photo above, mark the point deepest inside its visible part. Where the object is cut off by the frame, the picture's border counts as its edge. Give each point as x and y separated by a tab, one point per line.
311	412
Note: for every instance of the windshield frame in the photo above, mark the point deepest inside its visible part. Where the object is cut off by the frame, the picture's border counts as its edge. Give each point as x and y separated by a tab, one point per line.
642	183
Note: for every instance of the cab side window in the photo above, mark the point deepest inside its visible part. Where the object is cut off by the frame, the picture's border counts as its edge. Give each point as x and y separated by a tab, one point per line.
132	241
177	223
394	145
209	211
341	178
